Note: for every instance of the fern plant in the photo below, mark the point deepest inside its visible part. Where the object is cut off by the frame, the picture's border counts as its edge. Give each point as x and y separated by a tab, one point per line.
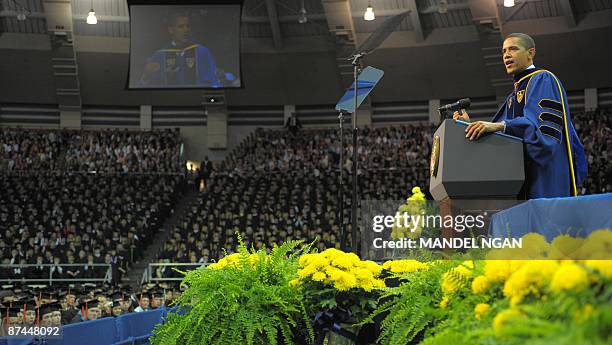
412	307
245	298
561	321
412	314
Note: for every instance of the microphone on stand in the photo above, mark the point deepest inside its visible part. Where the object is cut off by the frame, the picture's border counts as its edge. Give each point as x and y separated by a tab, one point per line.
463	103
444	110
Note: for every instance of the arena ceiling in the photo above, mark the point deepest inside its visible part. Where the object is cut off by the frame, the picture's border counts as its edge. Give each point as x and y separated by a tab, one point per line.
429	37
278	19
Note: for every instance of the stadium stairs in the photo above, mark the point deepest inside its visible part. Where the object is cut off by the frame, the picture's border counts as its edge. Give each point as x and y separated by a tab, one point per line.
138	268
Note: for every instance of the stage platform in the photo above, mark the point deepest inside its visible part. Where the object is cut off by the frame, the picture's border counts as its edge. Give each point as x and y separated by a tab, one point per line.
575	216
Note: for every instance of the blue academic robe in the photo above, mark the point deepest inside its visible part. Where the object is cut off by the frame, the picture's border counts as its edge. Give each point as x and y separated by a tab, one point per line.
537	111
192	65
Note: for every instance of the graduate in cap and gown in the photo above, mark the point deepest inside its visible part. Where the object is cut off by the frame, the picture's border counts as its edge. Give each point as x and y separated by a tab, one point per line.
537	111
184	62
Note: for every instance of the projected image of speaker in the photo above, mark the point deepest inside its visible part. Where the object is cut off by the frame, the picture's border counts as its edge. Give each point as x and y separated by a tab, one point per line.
184	44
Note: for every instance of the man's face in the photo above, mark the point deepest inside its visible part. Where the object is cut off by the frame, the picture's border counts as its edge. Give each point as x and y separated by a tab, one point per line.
46	320
144	302
30	317
515	56
56	318
180	30
159	300
95	313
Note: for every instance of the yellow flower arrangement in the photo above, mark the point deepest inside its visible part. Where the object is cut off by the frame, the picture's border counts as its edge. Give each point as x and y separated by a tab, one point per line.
415	205
569	277
480	309
531	278
372	266
535	246
597	246
228	260
405	266
480	285
319	276
530	282
306	259
343	271
235	260
604	267
498	271
565	247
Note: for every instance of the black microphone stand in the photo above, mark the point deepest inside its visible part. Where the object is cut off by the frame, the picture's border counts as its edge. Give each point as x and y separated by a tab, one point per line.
369	45
343	233
356	62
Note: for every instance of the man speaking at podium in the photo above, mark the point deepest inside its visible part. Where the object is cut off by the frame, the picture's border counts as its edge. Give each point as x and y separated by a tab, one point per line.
183	62
537	112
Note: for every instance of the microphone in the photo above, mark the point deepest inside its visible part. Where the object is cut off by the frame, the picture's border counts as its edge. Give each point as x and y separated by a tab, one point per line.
463	103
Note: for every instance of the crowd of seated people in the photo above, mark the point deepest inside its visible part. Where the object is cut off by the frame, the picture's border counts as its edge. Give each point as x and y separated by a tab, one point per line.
277	185
52	306
108	151
50	214
123	151
269	209
60	221
595	131
318	150
60	218
28	149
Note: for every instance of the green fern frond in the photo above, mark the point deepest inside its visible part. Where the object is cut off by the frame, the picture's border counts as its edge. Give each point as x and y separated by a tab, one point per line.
250	303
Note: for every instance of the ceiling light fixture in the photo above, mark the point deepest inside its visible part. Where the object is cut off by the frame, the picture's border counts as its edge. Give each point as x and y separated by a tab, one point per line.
302	19
443	6
22	11
508	3
91	16
369	13
22	14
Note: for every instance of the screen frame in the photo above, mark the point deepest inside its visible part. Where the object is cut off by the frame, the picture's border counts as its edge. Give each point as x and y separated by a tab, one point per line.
131	3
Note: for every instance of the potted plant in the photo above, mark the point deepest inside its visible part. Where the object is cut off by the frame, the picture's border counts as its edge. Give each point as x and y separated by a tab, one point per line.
341	290
245	298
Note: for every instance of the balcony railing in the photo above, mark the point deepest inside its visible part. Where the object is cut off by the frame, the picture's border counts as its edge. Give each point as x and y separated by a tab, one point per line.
51	279
151	276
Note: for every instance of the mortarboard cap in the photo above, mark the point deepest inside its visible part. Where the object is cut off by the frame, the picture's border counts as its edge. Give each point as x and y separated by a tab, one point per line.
12	311
50	308
29	305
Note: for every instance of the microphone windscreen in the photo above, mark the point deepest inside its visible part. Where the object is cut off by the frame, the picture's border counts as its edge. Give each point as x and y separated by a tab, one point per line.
465	103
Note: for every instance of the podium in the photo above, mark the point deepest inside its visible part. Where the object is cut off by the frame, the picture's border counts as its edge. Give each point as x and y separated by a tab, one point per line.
485	174
491	167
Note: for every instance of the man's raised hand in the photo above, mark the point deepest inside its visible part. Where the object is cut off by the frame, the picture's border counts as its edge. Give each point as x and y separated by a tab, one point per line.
463	116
